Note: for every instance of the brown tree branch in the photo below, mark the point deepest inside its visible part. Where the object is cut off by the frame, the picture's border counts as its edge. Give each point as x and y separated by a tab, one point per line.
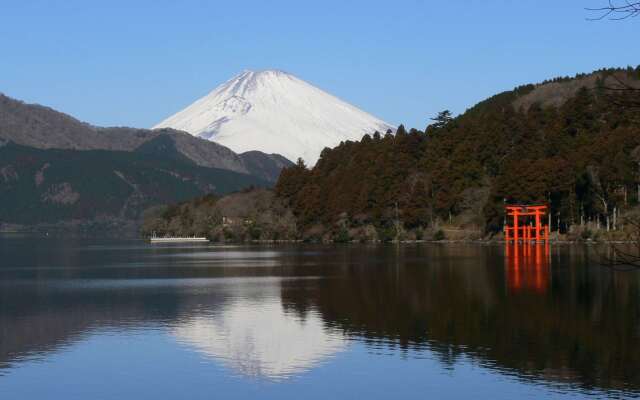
616	10
622	94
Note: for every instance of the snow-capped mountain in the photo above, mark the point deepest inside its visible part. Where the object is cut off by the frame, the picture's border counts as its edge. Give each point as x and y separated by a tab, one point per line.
274	112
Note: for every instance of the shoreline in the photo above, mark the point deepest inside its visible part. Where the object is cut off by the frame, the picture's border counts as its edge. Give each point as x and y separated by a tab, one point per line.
131	234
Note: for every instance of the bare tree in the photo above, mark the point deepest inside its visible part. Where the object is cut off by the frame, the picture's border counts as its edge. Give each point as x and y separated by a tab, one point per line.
616	10
623	94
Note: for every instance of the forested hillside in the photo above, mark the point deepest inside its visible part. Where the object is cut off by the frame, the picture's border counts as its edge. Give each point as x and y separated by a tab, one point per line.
53	185
570	142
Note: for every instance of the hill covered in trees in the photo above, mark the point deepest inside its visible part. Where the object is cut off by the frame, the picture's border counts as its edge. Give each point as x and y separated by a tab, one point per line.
572	143
101	187
569	142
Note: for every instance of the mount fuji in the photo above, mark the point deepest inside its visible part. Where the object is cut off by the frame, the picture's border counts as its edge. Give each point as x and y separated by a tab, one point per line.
274	112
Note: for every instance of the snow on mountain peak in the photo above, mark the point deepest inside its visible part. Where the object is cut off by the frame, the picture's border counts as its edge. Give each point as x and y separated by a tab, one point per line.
274	112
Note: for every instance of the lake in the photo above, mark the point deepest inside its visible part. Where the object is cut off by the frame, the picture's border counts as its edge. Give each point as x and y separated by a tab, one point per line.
89	319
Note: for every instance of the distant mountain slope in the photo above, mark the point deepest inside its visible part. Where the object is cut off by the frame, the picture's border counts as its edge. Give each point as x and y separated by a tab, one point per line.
558	91
264	165
274	112
52	185
44	128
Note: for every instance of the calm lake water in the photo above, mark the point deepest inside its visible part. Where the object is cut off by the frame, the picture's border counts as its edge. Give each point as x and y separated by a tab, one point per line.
86	319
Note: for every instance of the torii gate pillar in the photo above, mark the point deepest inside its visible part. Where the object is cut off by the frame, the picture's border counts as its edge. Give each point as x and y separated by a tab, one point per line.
515	233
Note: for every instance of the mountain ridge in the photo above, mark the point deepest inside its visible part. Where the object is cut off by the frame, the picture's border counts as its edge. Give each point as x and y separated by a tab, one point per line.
42	127
62	173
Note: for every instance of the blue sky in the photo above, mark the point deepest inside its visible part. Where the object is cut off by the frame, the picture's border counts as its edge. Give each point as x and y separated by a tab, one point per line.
134	63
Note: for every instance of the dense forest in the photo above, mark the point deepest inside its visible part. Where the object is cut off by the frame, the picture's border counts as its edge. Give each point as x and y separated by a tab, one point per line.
570	143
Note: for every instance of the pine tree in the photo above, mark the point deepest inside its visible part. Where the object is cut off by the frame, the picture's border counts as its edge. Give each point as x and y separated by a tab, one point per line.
442	119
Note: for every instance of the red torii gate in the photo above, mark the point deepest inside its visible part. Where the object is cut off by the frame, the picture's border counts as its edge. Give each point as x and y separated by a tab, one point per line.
517	232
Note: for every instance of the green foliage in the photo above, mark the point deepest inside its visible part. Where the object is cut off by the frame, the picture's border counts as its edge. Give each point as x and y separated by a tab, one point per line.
342	236
401	131
439	235
255	233
228	234
442	119
387	233
579	156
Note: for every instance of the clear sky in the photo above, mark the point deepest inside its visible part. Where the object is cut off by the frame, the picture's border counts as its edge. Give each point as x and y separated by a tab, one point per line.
134	63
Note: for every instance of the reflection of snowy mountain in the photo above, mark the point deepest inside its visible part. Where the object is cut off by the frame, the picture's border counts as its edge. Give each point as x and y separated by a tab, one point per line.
255	337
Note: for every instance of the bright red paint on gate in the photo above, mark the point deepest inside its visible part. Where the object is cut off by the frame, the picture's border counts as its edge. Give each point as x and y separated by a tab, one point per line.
532	229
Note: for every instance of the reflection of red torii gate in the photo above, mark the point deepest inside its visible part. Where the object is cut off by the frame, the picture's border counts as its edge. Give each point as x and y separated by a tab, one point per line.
526	233
528	267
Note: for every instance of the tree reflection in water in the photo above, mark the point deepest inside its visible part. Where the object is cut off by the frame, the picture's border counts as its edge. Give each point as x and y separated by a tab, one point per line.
541	315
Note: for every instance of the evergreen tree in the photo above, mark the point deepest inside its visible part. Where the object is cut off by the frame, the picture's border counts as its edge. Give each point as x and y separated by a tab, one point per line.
442	119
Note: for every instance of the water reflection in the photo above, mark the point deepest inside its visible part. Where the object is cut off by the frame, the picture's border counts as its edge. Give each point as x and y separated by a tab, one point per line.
256	338
543	315
528	266
573	324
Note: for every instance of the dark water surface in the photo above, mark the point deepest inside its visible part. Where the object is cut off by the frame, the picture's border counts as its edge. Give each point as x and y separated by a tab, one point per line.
119	320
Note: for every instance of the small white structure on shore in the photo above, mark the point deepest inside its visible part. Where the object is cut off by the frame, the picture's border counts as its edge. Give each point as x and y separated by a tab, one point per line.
176	239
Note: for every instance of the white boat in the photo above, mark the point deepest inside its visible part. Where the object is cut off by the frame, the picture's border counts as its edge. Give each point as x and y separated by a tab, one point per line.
173	239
